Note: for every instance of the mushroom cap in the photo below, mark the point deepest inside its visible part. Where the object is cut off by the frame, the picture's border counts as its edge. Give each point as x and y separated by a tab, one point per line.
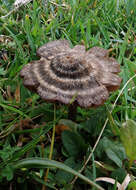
63	74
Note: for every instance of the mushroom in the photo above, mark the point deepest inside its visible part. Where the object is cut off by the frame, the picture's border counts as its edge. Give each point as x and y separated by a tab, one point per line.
66	75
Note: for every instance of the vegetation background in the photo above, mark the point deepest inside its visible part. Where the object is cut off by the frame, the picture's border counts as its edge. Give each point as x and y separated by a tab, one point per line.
102	142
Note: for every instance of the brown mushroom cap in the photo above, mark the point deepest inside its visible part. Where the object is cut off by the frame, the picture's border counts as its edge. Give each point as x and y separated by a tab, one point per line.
63	73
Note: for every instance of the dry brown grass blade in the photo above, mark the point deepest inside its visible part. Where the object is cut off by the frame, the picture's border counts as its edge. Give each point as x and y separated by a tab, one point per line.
126	182
122	186
109	180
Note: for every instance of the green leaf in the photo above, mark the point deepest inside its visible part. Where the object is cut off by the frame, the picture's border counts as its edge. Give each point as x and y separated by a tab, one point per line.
67	187
128	138
73	143
114	151
7	152
44	163
2	71
119	174
7	172
96	120
63	177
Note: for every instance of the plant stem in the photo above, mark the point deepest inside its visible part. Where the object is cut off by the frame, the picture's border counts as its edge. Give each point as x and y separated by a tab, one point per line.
72	112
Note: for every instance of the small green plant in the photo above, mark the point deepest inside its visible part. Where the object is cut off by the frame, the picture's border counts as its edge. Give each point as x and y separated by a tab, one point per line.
83	150
128	138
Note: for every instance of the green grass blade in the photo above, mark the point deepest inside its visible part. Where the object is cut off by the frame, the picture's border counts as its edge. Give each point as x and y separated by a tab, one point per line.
27	147
44	163
14	110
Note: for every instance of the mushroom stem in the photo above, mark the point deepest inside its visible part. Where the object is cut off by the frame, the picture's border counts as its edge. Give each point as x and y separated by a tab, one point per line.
72	112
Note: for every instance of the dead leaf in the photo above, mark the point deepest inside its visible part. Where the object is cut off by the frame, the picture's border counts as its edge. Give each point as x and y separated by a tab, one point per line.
122	186
19	3
60	128
5	39
26	124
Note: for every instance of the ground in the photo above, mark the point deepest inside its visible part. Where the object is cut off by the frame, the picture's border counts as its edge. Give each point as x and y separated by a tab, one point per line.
28	124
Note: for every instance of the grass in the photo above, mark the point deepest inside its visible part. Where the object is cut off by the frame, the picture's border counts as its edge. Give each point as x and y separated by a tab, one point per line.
26	121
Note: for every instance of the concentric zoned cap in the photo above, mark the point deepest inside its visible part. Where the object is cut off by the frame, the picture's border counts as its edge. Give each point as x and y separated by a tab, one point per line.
63	73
